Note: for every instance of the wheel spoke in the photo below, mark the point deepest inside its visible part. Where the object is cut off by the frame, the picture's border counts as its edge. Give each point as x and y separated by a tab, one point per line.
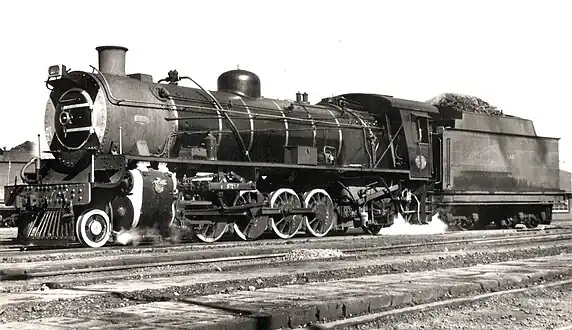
285	226
320	202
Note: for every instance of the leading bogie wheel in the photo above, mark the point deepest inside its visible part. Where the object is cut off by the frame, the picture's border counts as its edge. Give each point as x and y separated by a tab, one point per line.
93	228
321	203
288	225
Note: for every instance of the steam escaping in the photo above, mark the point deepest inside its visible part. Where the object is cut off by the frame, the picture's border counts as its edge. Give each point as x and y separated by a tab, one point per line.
133	236
136	236
402	227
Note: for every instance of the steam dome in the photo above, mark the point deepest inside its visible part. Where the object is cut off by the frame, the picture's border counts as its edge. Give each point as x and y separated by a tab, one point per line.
241	82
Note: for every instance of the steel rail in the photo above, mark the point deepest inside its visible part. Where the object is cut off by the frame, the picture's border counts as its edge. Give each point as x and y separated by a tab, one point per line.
16	250
502	241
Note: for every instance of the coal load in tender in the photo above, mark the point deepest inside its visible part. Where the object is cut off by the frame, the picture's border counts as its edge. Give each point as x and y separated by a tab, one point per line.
464	103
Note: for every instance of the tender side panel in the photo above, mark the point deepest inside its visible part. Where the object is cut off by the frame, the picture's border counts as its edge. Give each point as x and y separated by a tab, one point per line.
455	198
488	123
481	162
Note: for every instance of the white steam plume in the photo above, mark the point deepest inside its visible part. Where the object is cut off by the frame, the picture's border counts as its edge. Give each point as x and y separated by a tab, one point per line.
401	227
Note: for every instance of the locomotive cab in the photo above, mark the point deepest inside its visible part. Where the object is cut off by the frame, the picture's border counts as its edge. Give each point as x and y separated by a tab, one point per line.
406	132
419	149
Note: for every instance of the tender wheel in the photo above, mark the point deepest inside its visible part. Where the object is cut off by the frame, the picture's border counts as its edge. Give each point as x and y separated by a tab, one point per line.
253	226
463	223
532	221
321	203
211	232
501	224
288	225
93	228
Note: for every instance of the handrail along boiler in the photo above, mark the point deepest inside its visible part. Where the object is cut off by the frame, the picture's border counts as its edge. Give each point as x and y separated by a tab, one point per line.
128	152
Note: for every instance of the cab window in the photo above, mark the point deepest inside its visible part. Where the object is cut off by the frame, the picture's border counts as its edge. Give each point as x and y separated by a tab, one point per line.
421	130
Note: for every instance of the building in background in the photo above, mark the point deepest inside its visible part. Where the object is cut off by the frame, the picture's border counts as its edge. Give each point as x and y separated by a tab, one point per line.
11	163
561	210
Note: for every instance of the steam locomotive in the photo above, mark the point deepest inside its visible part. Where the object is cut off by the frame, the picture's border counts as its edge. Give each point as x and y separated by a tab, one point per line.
128	152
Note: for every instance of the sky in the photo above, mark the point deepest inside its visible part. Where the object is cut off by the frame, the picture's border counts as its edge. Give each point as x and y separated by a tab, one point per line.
515	55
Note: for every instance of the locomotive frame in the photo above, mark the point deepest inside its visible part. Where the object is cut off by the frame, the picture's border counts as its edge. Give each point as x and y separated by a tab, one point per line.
131	153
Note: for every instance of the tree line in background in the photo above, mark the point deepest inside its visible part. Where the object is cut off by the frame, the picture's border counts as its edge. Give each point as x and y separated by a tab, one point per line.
25	147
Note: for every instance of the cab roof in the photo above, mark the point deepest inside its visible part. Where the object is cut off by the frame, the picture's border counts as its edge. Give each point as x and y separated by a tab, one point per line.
373	101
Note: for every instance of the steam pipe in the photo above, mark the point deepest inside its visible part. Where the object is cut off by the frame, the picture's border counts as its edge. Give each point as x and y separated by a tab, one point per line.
92	179
120	140
24	168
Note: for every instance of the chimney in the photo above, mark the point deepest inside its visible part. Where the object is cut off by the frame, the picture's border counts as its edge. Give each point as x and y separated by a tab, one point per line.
112	59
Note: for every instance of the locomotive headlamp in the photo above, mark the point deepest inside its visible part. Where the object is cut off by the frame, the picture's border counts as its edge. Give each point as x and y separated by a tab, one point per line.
56	70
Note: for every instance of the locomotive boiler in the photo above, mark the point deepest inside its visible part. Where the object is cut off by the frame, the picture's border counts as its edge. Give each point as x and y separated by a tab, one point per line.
129	152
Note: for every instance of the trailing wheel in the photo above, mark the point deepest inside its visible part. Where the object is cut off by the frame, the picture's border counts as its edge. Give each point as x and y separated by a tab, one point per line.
93	228
287	225
321	203
373	228
412	208
210	233
251	227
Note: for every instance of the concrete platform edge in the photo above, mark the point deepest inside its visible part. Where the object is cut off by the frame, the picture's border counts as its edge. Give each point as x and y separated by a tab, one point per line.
306	315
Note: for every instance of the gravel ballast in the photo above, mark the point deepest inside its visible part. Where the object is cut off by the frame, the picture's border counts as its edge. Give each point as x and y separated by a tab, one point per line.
294	257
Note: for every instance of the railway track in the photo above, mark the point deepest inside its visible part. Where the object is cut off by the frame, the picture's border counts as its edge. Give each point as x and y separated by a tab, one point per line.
48	254
299	289
12	250
8	245
15	271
